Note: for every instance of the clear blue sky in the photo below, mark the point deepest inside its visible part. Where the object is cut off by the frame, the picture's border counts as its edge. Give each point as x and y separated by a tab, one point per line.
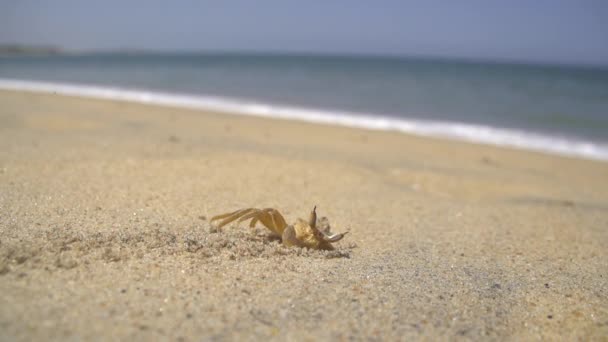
574	31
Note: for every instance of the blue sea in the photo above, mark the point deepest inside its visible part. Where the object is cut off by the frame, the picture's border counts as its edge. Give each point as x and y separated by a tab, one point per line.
554	109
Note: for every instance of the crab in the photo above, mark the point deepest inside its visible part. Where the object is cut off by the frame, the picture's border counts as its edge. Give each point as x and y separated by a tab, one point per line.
301	233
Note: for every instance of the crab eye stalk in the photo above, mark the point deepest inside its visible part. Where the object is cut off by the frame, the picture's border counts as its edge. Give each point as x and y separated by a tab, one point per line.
312	220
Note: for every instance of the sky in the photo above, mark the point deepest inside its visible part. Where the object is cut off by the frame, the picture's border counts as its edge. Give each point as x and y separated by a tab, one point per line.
539	31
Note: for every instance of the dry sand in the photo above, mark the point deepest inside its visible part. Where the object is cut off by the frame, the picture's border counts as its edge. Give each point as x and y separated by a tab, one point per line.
104	231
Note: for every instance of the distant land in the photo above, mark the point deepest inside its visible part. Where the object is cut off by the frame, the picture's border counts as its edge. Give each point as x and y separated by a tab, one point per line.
28	50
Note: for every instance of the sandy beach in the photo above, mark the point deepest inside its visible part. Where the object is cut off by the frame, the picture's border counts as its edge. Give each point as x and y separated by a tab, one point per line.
105	233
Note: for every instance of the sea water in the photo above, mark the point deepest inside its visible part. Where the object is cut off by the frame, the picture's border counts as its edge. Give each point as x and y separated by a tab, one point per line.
556	109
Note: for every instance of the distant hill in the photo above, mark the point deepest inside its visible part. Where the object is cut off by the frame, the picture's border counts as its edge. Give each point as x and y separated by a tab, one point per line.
19	50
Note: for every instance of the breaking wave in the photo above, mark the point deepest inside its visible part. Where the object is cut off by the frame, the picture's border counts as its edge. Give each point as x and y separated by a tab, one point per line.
441	129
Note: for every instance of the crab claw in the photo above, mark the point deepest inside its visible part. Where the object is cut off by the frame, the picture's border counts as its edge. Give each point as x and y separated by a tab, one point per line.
334	237
312	222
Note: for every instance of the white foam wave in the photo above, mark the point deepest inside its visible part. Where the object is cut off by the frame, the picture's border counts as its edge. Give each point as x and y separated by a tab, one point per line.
441	129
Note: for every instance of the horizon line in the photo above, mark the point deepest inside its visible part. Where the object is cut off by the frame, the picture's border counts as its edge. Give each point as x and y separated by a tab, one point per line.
56	50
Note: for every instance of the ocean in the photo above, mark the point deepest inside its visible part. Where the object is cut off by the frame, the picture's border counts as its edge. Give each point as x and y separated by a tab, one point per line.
553	109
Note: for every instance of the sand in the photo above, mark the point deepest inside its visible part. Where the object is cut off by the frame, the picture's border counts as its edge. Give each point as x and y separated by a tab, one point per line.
105	233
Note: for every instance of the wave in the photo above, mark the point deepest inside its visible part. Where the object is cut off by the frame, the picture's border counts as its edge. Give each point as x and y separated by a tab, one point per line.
438	129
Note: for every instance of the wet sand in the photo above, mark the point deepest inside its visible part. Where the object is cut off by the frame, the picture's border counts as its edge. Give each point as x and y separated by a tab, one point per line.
104	230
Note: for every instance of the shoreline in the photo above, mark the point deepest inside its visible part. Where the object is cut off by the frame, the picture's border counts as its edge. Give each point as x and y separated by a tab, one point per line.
454	131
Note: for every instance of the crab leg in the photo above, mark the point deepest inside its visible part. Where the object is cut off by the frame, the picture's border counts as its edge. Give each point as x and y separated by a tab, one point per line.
269	217
221	216
273	220
229	217
253	222
278	219
254	216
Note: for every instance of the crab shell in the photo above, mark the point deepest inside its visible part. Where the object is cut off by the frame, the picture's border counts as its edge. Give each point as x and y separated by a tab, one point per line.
301	234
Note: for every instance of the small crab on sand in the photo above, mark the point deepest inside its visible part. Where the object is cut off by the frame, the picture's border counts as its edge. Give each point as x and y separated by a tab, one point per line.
301	233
